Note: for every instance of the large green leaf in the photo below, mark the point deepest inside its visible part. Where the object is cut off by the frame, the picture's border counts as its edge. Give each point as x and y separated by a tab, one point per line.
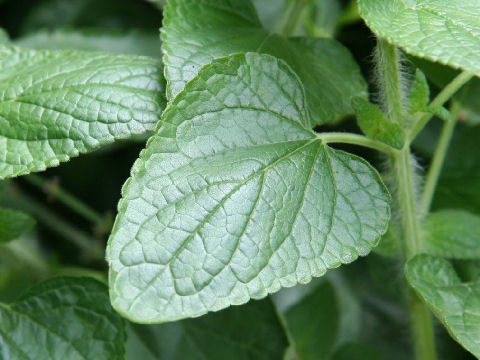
453	234
57	104
251	332
447	31
195	32
13	223
136	42
62	318
235	197
455	303
314	323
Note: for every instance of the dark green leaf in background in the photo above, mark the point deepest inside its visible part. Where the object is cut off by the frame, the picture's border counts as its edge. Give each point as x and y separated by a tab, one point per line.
57	104
452	234
314	323
13	224
197	31
62	318
249	332
235	197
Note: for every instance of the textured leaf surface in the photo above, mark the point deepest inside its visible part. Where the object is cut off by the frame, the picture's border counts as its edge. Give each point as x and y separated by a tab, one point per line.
195	32
62	318
57	104
245	332
234	197
447	31
314	323
455	303
453	234
135	42
13	224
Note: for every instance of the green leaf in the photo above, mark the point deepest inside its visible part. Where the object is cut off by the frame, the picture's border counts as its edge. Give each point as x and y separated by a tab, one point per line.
62	318
252	331
135	42
445	31
356	352
13	224
327	70
460	179
419	94
235	197
452	234
57	104
375	124
314	323
456	304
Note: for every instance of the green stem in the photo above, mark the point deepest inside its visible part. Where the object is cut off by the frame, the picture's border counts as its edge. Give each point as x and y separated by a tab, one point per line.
92	248
439	100
54	190
292	16
388	71
355	139
438	159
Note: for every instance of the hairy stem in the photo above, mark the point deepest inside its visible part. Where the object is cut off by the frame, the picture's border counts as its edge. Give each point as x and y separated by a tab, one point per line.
389	77
292	16
442	97
438	160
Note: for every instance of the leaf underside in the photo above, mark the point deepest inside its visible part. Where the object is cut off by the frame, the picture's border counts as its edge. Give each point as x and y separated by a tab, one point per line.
456	304
57	104
197	31
446	31
62	318
235	197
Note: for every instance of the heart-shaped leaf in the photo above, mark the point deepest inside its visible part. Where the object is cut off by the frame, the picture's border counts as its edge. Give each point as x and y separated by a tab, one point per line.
447	31
62	318
235	197
456	304
57	104
197	31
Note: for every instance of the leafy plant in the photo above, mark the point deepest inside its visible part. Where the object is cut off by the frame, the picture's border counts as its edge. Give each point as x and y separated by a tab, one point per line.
264	164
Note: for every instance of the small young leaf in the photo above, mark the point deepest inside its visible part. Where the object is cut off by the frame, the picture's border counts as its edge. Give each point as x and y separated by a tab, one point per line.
13	224
456	304
375	124
235	197
62	318
252	331
57	104
452	234
327	70
438	111
419	94
314	323
135	42
447	31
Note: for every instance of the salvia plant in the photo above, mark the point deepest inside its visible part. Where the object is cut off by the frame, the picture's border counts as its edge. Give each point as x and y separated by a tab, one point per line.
277	140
